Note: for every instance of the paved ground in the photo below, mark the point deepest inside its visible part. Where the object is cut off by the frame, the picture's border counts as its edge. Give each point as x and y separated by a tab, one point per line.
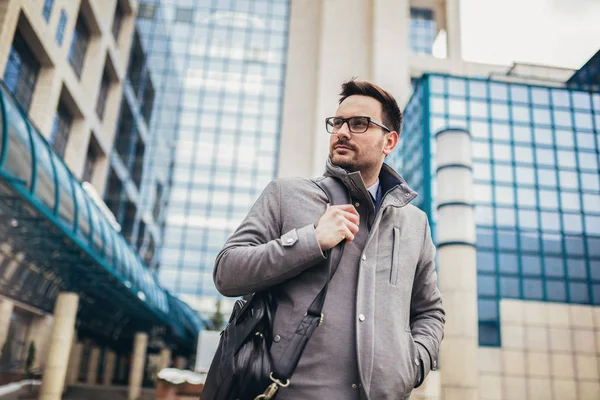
87	392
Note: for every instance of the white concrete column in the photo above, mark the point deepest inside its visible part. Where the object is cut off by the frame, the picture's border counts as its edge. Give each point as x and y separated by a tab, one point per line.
165	358
391	51
298	111
74	363
6	309
65	313
109	367
180	362
455	236
136	373
346	51
453	30
92	367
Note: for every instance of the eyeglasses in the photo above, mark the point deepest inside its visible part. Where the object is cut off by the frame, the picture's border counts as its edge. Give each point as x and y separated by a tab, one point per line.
355	124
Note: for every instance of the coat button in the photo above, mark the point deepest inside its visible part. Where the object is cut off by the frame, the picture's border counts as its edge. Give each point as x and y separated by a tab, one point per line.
406	194
434	364
290	240
354	386
416	361
276	338
364	258
357	204
361	317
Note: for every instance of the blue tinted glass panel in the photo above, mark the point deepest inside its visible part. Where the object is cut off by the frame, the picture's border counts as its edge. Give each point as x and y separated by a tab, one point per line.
556	291
531	265
579	292
532	289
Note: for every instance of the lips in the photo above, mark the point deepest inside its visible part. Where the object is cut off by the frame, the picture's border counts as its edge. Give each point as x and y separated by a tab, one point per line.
343	147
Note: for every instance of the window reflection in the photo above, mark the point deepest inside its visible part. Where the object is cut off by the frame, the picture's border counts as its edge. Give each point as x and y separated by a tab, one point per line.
531	265
528	219
532	289
525	176
550	220
555	291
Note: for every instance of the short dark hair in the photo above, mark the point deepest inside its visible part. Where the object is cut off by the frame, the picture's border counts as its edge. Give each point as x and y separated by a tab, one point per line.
392	116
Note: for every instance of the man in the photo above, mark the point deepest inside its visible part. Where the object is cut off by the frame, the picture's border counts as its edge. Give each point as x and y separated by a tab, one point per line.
383	317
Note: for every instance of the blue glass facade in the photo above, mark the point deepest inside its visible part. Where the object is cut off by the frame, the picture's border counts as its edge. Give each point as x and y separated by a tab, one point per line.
218	68
537	183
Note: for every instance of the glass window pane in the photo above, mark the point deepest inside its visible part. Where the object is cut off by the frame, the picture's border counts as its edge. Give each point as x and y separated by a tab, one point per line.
528	219
487	310
507	240
503	173
524	154
509	287
546	177
485	237
549	199
572	223
568	180
576	268
552	243
530	241
486	261
591	203
522	134
531	265
554	267
486	285
508	263
564	138
526	197
595	269
532	289
489	335
566	159
525	175
504	195
519	94
579	292
484	215
574	245
556	291
569	201
505	217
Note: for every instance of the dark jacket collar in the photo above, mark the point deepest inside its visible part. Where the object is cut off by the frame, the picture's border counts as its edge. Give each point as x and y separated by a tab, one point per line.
392	184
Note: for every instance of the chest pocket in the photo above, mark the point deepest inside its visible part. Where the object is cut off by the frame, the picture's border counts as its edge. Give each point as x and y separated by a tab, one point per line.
395	258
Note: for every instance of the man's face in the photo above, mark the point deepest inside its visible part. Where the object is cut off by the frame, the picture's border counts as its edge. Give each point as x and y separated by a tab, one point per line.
361	151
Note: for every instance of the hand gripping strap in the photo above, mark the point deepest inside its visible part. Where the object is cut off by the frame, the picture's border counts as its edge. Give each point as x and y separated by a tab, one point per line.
337	194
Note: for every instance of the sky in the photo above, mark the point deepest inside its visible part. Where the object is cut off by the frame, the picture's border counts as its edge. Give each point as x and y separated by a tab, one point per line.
562	33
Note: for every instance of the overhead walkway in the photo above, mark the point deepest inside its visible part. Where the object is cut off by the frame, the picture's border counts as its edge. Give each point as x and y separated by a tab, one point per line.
53	238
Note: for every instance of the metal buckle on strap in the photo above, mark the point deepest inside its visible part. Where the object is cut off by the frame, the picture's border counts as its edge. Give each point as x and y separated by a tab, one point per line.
272	388
320	318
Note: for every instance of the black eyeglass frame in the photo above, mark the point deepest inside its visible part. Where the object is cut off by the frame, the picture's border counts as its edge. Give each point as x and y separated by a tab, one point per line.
347	122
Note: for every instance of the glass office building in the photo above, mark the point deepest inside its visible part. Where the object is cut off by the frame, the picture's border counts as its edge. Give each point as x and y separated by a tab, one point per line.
536	185
218	68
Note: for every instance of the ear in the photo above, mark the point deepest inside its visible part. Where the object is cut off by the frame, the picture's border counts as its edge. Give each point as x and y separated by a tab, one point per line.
389	142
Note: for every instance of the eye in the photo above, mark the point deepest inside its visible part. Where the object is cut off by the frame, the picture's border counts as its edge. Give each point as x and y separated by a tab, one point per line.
338	122
359	123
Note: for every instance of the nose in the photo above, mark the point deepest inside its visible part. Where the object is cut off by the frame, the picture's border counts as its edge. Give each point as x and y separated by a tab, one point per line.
344	130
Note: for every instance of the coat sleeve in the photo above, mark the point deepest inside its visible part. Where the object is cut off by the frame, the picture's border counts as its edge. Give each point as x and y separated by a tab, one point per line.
427	316
258	255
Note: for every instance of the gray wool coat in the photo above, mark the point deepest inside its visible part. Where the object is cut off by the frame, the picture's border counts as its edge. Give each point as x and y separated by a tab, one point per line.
383	314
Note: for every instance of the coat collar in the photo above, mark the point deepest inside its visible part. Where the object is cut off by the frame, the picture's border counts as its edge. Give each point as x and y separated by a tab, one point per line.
394	187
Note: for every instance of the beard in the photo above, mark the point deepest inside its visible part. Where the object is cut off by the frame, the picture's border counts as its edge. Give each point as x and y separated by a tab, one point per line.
353	160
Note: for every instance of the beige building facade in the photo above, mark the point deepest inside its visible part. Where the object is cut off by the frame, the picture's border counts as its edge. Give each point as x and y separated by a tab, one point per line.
548	350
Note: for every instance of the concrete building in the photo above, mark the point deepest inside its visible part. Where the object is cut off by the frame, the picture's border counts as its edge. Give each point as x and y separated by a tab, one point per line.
76	280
